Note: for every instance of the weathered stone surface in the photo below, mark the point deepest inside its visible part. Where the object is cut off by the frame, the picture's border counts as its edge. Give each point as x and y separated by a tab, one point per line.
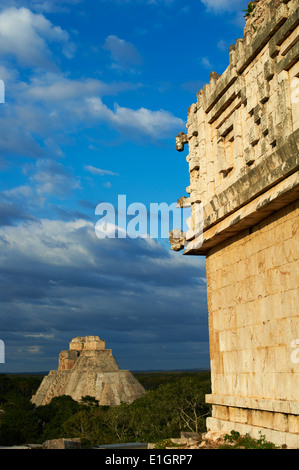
88	369
177	239
73	443
91	343
243	140
190	435
242	133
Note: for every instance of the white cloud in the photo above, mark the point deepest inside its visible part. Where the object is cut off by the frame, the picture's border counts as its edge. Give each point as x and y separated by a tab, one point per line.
222	45
124	54
47	109
47	6
224	5
8	74
39	335
206	63
50	87
24	35
56	88
166	3
53	178
99	171
155	124
34	349
19	192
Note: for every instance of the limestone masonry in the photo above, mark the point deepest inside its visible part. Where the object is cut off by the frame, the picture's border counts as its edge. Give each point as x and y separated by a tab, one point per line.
88	369
243	141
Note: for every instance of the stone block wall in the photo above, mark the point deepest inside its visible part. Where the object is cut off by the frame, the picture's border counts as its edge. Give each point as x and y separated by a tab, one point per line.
253	284
243	142
67	359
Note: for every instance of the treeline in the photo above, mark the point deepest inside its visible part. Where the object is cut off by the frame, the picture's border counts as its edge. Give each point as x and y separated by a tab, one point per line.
174	402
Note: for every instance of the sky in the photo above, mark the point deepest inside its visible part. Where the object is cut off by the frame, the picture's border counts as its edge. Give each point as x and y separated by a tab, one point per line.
95	94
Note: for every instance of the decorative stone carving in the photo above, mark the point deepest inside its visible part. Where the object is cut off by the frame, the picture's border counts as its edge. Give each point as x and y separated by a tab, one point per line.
244	168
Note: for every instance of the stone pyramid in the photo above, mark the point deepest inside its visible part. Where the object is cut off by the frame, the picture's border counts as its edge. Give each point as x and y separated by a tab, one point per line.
87	368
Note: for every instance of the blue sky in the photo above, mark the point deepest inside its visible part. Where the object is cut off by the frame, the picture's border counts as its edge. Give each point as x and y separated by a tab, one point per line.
95	94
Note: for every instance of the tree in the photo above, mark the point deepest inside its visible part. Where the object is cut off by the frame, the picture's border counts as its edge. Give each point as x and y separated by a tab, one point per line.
190	405
54	414
90	401
19	425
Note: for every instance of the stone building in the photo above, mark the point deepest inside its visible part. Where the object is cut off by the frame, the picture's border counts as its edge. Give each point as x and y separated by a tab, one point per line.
243	141
88	369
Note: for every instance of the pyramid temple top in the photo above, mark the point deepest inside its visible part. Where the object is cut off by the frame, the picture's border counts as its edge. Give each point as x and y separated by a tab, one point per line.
89	369
91	343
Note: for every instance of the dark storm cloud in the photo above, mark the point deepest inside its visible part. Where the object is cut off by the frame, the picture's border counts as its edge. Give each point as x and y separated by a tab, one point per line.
11	214
59	279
